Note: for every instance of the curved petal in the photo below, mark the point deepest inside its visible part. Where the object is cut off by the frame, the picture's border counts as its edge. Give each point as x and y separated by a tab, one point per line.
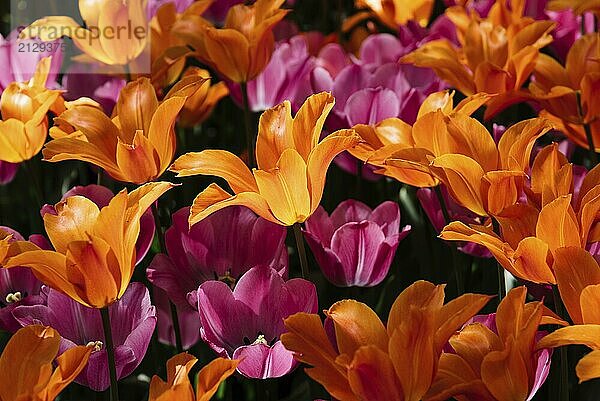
219	163
372	377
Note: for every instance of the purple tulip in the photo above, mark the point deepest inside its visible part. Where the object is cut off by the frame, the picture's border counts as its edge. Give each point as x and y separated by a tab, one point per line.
187	316
18	286
246	323
7	172
132	319
102	196
80	80
221	247
431	205
284	76
19	60
355	246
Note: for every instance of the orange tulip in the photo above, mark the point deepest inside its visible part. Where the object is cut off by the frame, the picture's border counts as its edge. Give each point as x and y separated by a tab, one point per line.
530	238
404	153
94	253
496	54
569	94
115	32
24	125
495	365
27	366
377	363
243	47
168	51
394	13
578	276
199	105
137	145
292	164
494	181
178	386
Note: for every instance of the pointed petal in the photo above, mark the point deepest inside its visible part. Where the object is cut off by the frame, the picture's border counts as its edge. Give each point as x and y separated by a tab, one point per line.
219	163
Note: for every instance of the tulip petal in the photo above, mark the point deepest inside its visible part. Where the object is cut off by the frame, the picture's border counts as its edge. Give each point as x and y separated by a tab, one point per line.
463	176
575	270
306	337
356	325
588	367
584	334
214	198
212	375
505	374
285	188
219	163
309	121
74	221
320	159
557	224
372	377
161	131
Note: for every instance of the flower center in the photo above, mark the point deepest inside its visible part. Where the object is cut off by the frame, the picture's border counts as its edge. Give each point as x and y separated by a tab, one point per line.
13	297
96	344
227	279
260	340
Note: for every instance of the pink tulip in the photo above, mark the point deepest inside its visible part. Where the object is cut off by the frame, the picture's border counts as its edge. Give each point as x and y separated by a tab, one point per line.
221	247
355	246
245	323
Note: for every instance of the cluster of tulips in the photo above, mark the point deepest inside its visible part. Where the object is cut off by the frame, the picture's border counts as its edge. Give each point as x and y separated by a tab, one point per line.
174	190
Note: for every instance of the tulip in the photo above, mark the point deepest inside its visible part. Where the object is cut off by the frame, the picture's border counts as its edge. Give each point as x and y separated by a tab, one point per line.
94	253
529	237
246	323
132	318
222	247
404	153
136	145
361	359
115	31
496	54
178	386
394	13
102	196
33	350
495	357
578	277
200	105
292	163
187	316
242	48
85	80
20	66
567	93
355	246
24	105
18	286
285	77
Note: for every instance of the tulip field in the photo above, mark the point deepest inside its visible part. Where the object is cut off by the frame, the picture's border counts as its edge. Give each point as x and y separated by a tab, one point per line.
299	200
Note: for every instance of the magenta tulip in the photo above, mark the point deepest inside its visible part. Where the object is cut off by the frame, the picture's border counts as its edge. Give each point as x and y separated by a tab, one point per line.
245	323
355	246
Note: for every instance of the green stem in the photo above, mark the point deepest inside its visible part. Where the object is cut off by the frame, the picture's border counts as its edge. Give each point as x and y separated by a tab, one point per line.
163	249
37	192
564	362
110	351
301	249
248	124
455	262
